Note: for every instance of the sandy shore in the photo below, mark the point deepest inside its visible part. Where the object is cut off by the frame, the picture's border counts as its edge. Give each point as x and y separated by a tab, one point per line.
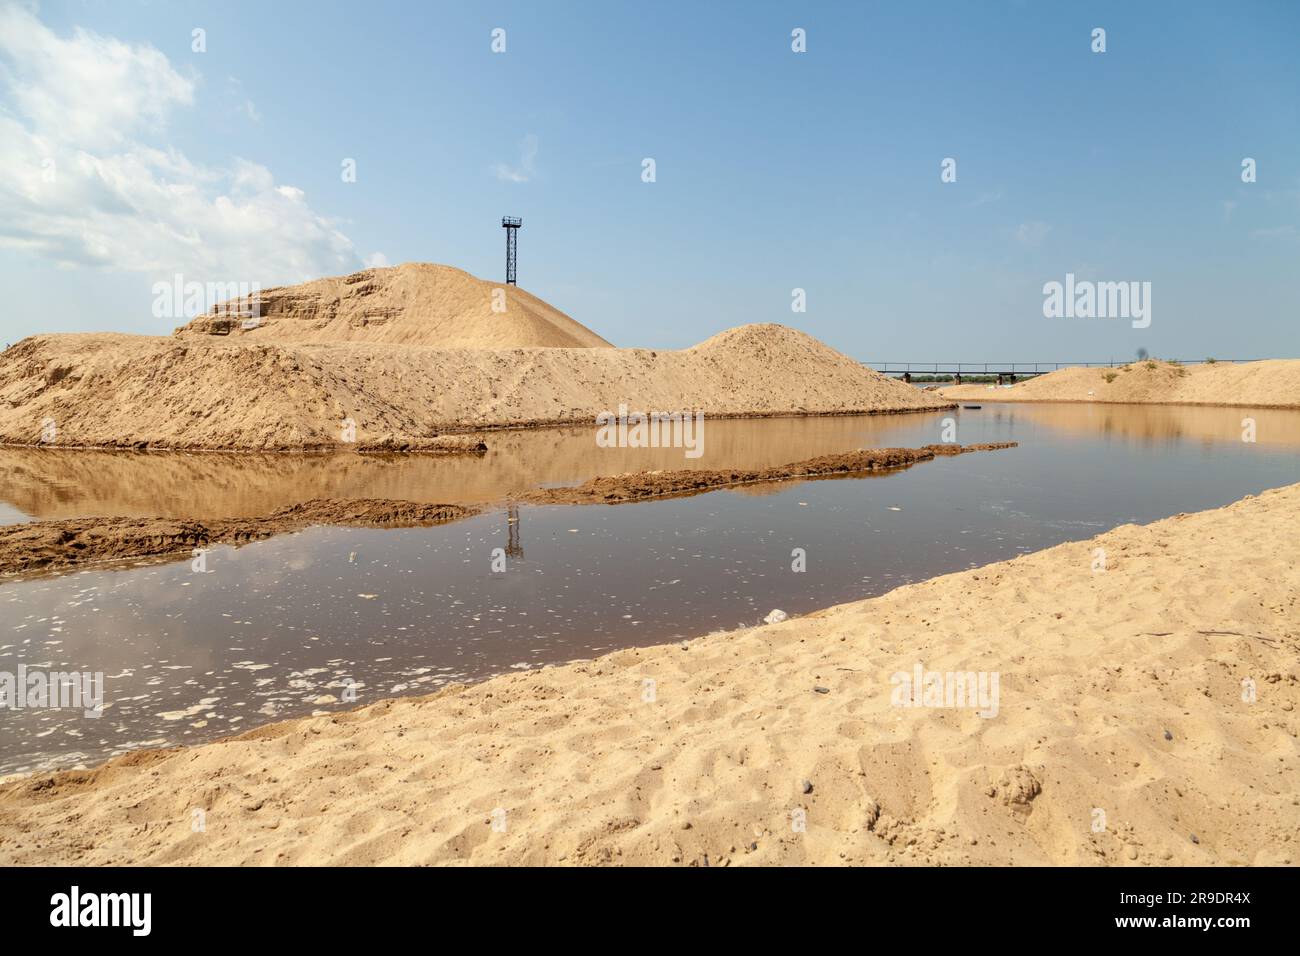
1268	384
1120	702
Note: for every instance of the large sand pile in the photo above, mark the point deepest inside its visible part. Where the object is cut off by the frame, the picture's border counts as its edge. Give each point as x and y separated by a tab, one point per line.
1270	384
1119	691
417	303
200	391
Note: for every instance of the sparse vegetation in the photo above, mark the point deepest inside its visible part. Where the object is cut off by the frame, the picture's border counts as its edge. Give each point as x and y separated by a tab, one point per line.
1210	361
1110	377
1151	365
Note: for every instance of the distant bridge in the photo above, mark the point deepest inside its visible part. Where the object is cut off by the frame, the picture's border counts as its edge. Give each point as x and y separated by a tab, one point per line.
1010	371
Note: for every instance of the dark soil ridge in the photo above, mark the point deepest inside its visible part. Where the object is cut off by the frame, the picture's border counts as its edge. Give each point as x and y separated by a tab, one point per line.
643	485
76	542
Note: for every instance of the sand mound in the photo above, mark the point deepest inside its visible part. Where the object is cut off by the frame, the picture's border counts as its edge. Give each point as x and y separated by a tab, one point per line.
417	303
1112	696
207	392
1270	384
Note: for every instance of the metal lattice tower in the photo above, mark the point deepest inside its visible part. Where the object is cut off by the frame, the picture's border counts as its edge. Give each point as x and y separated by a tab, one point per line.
511	225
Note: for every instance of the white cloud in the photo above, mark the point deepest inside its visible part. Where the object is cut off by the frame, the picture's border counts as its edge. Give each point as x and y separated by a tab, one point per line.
527	167
1032	233
377	260
1275	232
85	187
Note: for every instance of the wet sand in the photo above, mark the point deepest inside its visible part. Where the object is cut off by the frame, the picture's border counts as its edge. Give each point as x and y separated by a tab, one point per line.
643	485
78	542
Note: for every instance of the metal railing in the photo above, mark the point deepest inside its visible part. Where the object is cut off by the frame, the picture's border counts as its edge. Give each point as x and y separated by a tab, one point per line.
1022	368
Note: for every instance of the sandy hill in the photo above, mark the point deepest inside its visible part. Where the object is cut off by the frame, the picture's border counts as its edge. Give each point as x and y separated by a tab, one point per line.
417	303
202	391
1269	384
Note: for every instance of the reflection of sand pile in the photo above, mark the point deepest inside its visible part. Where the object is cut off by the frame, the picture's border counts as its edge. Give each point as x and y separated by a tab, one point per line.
68	482
1270	384
1111	695
413	304
72	542
1159	424
200	391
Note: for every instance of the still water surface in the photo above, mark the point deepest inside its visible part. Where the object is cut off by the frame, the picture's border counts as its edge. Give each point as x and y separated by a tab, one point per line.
277	628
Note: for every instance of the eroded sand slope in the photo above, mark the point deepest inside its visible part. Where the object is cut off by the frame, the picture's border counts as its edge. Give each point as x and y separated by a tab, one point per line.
1270	384
417	303
205	391
1120	691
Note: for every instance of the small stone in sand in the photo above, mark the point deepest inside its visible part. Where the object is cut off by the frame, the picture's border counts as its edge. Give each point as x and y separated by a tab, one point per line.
776	617
806	786
822	690
1168	735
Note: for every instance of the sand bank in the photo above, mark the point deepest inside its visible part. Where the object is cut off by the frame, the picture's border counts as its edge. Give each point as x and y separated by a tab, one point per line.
211	392
78	542
1121	737
1269	384
643	485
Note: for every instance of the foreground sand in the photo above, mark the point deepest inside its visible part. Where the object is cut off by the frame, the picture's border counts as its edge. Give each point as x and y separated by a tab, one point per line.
1120	691
1270	384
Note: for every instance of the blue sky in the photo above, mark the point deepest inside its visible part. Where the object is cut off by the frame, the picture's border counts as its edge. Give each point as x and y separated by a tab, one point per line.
775	170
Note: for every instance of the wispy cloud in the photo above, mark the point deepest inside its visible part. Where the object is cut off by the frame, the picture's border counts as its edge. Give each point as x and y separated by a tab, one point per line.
987	197
527	167
1032	233
1275	232
242	103
85	186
